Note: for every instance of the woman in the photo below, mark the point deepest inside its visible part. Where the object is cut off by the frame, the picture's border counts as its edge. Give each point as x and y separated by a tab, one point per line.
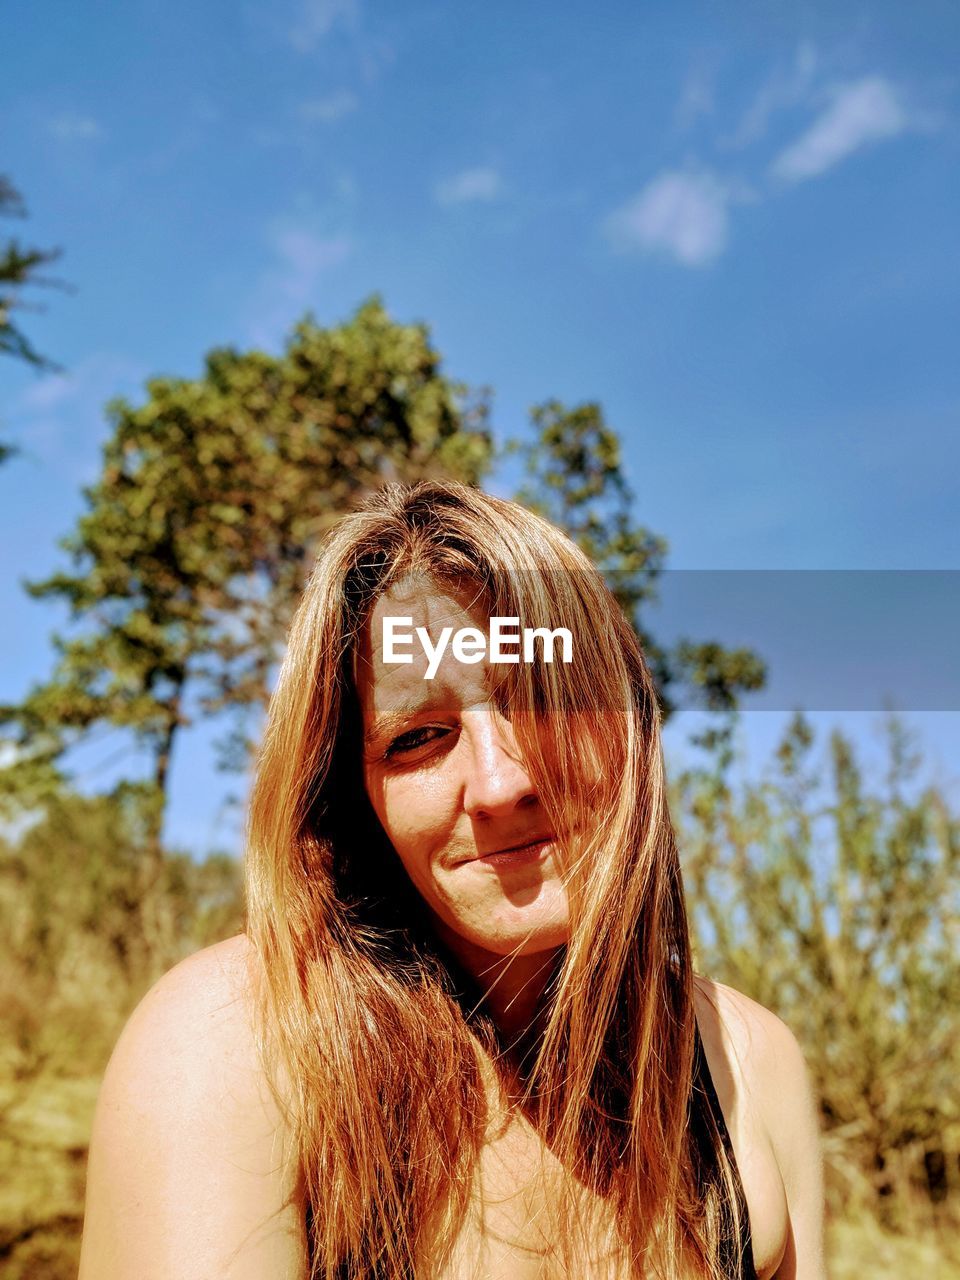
461	1037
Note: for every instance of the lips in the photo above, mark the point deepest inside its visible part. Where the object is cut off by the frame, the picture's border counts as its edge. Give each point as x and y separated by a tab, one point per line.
526	846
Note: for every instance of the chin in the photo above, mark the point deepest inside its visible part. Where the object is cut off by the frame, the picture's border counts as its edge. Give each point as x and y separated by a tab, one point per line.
524	922
536	945
540	931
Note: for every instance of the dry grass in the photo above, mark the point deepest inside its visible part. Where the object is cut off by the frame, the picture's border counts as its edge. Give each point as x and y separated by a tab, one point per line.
860	1250
43	1150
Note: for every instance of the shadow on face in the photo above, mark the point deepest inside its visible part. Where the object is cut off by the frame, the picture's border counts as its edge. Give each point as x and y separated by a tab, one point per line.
446	780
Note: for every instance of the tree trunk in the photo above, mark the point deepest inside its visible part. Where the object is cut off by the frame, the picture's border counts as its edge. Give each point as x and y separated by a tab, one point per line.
157	924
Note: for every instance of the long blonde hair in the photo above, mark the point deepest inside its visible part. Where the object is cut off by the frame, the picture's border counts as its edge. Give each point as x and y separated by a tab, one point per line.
378	1056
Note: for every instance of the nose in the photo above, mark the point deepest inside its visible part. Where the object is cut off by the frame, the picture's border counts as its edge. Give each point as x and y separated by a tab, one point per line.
496	782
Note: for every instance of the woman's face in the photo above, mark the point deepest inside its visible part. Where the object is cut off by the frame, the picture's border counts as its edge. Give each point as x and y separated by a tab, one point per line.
444	776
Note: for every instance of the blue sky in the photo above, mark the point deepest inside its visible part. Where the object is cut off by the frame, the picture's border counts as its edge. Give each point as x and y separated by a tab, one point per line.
733	224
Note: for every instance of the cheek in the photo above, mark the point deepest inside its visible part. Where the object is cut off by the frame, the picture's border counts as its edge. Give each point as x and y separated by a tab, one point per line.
417	813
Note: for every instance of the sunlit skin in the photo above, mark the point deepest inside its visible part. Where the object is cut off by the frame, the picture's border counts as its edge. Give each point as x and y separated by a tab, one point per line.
446	780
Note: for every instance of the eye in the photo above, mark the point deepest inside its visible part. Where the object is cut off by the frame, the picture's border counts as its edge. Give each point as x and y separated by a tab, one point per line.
406	743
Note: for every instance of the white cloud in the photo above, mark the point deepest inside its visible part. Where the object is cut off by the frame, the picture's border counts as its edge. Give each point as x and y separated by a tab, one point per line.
70	126
290	286
316	19
681	214
305	256
469	185
685	213
49	393
779	92
59	419
696	96
331	108
862	112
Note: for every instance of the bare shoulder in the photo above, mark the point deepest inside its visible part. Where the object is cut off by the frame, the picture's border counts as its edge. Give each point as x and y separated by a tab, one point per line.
191	1167
760	1040
766	1094
191	1040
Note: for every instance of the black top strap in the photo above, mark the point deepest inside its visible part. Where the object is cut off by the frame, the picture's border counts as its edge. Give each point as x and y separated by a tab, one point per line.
707	1114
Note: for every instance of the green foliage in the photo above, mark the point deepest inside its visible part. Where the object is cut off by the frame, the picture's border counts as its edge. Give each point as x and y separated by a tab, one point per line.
575	478
213	495
18	270
838	906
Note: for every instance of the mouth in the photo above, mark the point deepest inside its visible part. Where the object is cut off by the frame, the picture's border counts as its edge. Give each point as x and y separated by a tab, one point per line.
529	851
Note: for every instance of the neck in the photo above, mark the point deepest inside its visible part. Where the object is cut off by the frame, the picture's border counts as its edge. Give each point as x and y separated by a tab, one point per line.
511	987
514	989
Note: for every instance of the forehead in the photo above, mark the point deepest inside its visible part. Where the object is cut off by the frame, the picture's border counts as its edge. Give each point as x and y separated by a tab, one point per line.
386	689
